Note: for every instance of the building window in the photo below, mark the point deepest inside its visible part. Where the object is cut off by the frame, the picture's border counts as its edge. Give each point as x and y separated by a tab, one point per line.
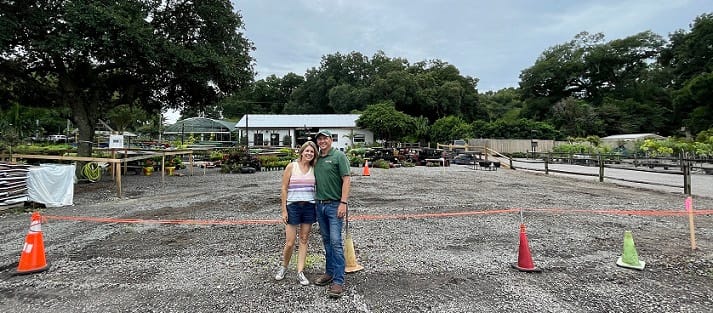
359	138
335	137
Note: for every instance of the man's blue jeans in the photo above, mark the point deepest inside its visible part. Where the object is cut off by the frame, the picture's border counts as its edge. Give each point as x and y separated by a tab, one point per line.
330	227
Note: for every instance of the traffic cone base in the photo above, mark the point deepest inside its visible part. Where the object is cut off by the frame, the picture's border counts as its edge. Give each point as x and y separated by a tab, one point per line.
354	268
524	258
620	262
351	264
32	271
365	172
629	257
32	257
522	269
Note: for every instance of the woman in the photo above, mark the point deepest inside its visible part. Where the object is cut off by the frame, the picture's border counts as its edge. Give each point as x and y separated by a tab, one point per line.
298	207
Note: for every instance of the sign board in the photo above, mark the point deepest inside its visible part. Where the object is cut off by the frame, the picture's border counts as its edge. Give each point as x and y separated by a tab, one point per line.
116	141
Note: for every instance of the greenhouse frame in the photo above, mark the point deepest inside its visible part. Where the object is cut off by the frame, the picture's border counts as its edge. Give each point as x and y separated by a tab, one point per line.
202	129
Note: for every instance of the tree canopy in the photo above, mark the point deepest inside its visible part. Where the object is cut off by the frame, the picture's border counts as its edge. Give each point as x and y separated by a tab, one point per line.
91	56
99	59
385	121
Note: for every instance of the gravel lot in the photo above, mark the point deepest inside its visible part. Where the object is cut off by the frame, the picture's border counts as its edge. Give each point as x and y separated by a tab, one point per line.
430	239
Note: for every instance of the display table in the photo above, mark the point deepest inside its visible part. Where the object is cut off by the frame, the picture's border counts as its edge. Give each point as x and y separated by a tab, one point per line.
51	184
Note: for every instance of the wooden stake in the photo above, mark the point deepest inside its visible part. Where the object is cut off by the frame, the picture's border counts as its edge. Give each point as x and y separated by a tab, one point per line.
691	226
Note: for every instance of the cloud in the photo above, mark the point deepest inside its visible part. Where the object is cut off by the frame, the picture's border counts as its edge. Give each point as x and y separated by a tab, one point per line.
615	19
490	40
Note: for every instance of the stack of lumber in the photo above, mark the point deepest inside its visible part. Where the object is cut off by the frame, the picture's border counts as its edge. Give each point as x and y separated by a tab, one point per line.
13	183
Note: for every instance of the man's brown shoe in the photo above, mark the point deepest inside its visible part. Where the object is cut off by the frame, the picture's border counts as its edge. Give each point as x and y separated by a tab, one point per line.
323	280
335	291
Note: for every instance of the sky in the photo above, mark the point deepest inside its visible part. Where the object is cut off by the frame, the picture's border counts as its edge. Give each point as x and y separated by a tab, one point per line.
489	40
492	41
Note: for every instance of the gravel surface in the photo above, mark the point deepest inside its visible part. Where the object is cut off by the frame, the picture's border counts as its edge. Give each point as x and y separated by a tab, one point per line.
430	239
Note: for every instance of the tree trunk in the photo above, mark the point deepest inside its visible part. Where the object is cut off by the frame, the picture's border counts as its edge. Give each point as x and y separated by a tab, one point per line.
86	122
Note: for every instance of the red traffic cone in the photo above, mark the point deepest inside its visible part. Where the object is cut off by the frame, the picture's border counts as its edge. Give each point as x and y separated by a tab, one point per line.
32	257
366	168
524	259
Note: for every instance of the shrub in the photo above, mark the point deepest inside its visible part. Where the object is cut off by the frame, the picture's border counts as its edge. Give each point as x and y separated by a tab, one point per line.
381	164
355	160
216	156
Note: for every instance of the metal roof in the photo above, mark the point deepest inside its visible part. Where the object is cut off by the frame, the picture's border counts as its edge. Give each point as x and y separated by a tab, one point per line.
199	125
299	120
633	136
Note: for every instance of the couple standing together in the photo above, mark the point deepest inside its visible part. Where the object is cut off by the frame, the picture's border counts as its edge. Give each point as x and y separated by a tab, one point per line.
316	189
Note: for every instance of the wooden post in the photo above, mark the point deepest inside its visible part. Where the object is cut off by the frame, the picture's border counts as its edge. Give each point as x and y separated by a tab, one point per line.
126	155
112	167
190	162
163	165
686	175
691	227
117	167
601	168
547	161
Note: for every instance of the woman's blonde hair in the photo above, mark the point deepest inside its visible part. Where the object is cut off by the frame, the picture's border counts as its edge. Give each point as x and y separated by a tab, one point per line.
314	148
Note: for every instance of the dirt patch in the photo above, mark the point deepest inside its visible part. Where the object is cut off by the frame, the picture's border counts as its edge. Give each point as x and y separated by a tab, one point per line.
430	239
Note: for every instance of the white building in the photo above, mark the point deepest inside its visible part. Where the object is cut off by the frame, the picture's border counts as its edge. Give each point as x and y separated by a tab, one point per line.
275	130
628	141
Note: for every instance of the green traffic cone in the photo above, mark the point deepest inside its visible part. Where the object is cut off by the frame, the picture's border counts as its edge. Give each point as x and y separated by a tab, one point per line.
629	258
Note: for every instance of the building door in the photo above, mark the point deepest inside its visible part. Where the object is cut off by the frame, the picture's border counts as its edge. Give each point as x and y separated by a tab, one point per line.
274	139
257	140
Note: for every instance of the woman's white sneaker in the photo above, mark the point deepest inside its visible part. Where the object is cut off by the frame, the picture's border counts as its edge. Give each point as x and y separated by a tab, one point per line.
281	273
302	279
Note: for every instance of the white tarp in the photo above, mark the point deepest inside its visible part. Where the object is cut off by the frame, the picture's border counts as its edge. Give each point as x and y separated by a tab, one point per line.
51	184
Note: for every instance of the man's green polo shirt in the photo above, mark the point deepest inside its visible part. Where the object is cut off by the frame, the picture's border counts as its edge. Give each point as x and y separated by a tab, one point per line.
328	172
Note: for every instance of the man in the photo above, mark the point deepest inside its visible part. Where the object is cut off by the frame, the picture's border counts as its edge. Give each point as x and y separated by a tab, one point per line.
333	183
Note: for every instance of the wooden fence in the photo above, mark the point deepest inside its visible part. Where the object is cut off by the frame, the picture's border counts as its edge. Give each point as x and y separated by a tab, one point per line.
673	166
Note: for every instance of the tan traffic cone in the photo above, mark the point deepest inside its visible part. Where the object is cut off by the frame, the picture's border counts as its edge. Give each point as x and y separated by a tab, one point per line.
350	263
32	257
365	172
629	257
524	258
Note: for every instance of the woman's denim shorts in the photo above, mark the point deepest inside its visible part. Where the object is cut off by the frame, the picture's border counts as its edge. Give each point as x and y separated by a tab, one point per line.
301	212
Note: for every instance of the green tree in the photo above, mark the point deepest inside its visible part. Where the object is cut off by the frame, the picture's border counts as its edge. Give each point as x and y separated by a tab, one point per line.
689	58
91	56
385	121
576	118
688	54
504	103
124	117
265	96
446	129
591	70
350	82
694	103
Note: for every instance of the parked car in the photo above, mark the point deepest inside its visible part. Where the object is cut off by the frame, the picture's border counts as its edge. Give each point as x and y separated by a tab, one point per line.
464	159
57	138
430	154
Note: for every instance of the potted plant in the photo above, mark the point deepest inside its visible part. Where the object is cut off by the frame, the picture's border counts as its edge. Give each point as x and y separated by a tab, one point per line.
171	165
148	167
177	162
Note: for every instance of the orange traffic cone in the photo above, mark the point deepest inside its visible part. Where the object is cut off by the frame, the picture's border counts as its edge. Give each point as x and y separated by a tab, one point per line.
524	259
366	168
32	257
